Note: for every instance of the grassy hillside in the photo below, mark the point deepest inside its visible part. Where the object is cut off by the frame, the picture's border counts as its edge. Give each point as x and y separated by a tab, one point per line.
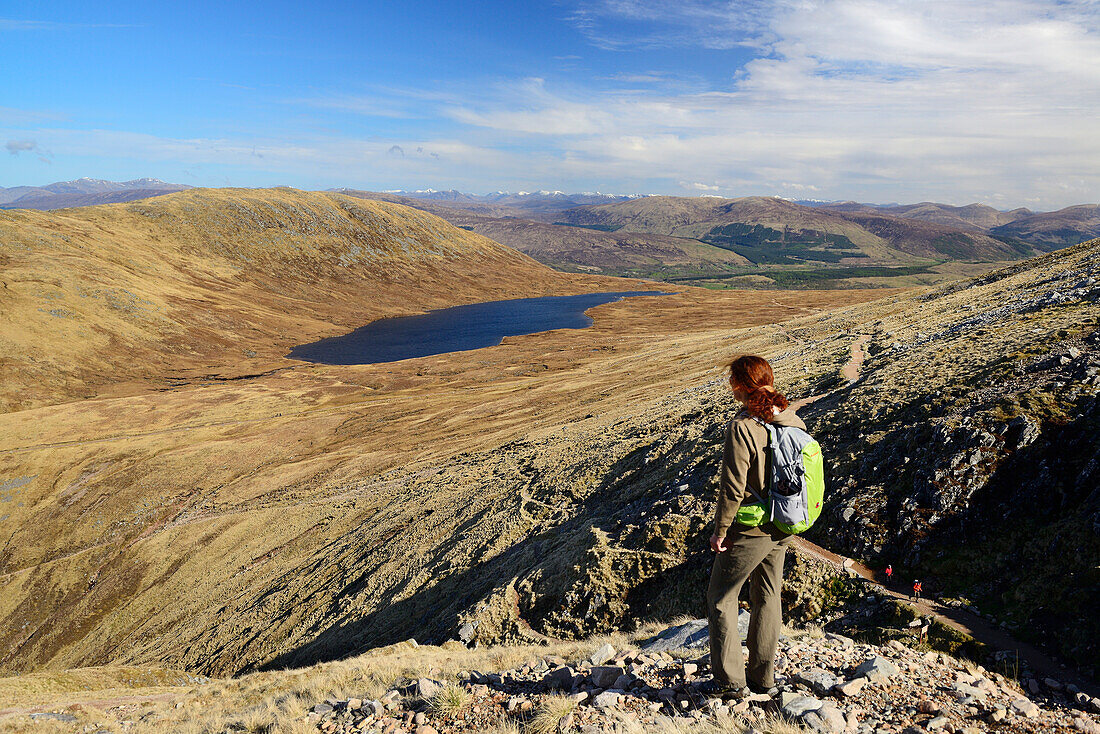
224	282
1051	230
230	524
775	231
559	484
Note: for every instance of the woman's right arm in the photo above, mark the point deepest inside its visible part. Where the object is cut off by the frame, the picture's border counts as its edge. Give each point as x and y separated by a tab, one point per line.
733	483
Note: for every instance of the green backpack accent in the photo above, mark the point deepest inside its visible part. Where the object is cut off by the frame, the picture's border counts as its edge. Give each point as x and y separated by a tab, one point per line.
796	482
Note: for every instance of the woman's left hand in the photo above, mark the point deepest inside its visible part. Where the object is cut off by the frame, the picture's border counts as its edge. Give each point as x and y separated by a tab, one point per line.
718	544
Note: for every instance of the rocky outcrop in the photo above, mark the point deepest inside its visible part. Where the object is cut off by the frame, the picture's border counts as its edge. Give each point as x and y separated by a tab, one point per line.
828	684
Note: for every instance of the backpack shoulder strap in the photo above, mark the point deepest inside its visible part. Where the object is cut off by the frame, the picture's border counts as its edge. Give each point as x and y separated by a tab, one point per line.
773	445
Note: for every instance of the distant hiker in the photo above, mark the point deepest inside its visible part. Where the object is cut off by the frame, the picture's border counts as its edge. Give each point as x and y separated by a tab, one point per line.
744	552
889	575
916	590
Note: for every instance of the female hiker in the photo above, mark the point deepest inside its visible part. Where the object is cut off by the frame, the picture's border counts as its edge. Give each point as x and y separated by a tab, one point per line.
744	553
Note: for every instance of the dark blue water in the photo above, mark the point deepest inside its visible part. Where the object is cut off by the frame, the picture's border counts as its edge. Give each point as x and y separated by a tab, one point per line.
456	329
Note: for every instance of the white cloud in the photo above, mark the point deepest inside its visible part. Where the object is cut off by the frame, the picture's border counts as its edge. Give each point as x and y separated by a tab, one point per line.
859	98
873	100
15	147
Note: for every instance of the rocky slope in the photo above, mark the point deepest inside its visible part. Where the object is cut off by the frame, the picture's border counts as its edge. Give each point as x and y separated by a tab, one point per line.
625	683
225	279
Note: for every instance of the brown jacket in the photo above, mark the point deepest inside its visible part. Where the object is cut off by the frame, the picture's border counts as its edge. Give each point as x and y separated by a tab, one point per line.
744	465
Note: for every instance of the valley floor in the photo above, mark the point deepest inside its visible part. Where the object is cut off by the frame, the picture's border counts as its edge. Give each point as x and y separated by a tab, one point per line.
135	519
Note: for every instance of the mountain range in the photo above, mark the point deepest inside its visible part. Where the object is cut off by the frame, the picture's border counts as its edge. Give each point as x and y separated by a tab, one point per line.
83	192
757	241
710	241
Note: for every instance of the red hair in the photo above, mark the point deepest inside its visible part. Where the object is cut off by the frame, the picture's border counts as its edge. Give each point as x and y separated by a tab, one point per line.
753	376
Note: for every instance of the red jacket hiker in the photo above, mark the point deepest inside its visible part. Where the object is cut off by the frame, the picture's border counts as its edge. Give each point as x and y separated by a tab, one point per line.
889	574
916	589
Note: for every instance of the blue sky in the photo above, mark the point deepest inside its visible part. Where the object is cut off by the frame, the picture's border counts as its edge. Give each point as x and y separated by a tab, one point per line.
873	100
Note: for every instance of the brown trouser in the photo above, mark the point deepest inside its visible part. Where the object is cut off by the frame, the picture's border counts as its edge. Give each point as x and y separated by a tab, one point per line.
758	559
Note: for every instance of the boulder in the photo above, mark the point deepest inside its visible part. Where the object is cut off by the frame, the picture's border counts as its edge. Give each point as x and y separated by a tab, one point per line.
607	699
604	676
426	687
796	706
624	682
1025	708
850	688
817	679
877	670
691	635
828	720
602	654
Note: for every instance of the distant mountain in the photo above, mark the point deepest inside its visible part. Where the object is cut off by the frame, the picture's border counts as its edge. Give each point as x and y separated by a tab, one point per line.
1045	230
769	230
504	203
565	247
84	192
972	217
1054	230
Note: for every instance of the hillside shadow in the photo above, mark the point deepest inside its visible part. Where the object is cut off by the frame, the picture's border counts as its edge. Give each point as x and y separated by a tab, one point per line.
431	614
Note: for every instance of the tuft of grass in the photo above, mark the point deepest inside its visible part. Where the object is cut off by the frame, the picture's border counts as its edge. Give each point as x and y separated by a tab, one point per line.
259	720
449	700
775	723
550	712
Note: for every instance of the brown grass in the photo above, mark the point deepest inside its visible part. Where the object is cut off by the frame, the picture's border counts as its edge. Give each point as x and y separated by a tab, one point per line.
199	510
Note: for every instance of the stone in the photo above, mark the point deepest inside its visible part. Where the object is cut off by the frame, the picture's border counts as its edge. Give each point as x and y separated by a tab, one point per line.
426	687
691	635
690	669
624	682
998	714
828	719
1033	685
420	718
800	705
840	640
467	633
425	729
579	696
606	700
926	706
560	678
66	718
1025	708
818	679
354	704
1086	725
322	709
965	690
786	697
602	654
878	669
850	688
937	723
605	676
1052	684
